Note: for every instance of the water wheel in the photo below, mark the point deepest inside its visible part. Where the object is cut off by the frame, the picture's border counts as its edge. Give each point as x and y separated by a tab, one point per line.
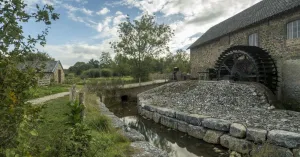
247	63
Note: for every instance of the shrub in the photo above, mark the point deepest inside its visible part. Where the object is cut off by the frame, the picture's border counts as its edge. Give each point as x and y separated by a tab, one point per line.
106	72
91	73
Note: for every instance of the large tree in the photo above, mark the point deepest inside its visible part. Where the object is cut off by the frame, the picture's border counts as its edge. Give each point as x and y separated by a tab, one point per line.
141	39
14	45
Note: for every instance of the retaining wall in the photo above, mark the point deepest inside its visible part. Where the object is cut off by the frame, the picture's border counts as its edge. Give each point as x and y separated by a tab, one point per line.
236	137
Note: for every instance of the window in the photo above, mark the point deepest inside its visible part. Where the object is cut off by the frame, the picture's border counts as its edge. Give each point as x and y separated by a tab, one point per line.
293	29
253	39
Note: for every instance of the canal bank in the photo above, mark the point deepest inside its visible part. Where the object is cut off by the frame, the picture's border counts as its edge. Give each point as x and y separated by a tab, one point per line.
236	116
175	143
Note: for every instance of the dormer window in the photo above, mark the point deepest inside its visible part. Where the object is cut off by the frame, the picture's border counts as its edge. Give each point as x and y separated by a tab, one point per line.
293	29
253	39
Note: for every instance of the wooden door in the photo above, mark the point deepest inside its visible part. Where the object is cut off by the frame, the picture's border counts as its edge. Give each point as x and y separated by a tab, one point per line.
59	76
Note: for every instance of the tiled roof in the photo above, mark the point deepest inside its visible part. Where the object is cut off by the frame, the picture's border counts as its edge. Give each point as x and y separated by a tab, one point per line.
257	13
49	66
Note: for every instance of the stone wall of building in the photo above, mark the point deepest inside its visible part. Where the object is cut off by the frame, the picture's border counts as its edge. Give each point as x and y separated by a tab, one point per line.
55	74
272	36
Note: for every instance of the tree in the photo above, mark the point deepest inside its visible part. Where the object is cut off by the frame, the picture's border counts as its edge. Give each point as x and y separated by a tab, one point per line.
39	56
14	83
94	63
79	67
180	59
105	60
140	39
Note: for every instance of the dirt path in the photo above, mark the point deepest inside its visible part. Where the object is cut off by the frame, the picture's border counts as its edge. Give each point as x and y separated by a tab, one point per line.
47	98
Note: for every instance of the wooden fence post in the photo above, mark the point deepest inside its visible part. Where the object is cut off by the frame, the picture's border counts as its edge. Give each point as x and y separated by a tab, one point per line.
81	102
73	93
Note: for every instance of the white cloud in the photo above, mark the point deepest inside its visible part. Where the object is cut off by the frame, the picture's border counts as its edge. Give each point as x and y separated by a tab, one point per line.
71	53
103	11
86	11
197	15
108	28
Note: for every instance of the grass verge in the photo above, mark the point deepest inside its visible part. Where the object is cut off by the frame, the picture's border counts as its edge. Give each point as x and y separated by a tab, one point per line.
41	91
106	141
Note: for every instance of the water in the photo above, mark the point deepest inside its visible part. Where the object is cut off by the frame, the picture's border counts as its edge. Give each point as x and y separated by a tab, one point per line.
176	143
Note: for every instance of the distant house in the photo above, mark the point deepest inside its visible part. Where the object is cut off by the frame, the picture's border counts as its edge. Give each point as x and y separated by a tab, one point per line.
53	71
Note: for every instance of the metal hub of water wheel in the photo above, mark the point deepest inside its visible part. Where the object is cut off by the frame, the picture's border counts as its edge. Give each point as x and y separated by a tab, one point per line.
247	63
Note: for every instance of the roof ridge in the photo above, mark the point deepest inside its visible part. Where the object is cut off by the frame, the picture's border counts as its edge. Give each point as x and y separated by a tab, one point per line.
256	13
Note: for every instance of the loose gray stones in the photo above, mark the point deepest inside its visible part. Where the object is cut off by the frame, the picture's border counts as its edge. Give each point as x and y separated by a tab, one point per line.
237	130
216	124
196	131
239	145
284	138
256	135
213	137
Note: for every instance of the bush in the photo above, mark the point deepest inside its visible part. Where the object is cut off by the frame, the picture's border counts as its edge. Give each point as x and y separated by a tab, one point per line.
91	73
106	72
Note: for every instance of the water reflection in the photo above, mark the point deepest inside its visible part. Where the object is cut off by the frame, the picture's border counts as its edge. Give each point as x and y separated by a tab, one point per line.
177	144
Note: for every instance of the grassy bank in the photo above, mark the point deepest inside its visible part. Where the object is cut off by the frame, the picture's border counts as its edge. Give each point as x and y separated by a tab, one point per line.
105	141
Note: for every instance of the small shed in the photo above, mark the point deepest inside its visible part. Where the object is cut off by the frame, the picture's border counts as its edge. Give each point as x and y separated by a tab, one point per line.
53	71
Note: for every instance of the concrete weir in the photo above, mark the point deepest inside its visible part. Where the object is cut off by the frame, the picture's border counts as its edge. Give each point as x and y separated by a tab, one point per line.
239	136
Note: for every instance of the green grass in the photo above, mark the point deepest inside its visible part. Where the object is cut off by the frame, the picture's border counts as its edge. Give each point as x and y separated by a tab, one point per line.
42	91
106	141
125	79
51	128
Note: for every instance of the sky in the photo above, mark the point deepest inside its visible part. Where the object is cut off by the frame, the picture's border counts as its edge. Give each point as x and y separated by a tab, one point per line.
86	27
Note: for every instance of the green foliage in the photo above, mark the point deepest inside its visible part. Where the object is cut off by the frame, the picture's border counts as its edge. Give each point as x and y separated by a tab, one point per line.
91	73
106	72
75	141
75	114
13	47
40	91
39	56
141	39
79	67
105	60
101	124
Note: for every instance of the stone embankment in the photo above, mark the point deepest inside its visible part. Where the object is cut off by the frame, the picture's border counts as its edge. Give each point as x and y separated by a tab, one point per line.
141	147
236	116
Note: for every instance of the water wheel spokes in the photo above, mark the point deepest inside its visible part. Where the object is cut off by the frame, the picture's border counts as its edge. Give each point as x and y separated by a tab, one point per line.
247	63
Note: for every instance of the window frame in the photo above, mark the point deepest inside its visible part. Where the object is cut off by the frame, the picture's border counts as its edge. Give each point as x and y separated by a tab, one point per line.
290	29
255	34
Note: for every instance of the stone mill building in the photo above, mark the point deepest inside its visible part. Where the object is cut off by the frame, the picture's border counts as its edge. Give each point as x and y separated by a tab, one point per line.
260	44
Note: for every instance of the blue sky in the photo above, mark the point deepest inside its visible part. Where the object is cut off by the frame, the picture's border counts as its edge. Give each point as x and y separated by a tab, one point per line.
86	27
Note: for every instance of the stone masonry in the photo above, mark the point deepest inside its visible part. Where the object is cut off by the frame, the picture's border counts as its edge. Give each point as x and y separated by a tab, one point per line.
236	124
272	37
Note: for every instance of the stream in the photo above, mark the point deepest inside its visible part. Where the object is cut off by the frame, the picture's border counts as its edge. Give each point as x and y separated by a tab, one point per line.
175	143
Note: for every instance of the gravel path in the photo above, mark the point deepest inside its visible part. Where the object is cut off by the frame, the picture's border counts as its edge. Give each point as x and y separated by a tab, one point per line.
47	98
234	102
